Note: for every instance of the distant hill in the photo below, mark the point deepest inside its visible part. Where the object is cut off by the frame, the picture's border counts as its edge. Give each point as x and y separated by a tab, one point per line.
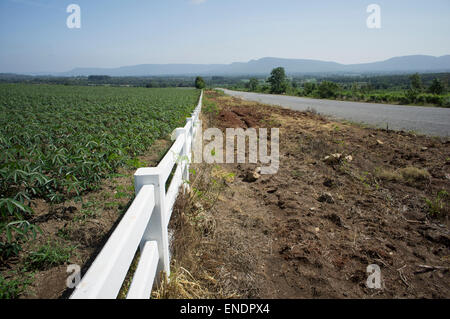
404	64
145	70
411	63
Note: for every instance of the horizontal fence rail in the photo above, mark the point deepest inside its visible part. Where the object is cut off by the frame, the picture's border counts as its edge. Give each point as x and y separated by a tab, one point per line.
144	225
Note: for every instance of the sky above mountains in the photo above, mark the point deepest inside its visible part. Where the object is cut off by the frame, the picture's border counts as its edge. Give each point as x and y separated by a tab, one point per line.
34	36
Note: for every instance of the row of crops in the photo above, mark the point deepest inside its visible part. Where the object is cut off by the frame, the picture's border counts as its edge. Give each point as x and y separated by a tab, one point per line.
57	142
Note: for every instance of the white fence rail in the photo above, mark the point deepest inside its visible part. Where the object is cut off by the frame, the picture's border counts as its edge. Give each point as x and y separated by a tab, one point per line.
144	225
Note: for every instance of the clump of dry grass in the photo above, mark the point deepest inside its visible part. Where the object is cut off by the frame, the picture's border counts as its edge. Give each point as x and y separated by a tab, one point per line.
409	175
183	285
388	175
414	175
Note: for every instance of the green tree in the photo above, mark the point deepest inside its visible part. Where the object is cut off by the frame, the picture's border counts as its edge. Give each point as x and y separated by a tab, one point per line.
416	82
436	87
253	84
328	89
277	81
200	83
309	88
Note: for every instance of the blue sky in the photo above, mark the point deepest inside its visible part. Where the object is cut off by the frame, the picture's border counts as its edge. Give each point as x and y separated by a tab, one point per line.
34	36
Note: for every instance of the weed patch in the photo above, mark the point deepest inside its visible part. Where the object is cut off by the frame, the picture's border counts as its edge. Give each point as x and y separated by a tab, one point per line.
49	255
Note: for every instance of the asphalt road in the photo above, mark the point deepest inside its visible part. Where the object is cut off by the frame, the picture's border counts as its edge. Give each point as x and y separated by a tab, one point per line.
425	120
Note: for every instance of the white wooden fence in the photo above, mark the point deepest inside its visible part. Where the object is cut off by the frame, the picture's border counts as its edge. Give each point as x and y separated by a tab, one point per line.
144	225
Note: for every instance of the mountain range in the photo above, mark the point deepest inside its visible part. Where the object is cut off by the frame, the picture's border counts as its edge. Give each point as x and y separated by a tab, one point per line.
403	64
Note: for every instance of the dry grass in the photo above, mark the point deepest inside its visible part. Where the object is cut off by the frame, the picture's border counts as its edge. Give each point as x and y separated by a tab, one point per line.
197	250
414	175
183	285
388	175
409	175
193	226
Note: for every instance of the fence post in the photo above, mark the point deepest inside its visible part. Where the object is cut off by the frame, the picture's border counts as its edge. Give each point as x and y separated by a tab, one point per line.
156	229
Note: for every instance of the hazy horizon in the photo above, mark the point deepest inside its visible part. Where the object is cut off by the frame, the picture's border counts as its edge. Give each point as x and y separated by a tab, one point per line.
35	38
162	64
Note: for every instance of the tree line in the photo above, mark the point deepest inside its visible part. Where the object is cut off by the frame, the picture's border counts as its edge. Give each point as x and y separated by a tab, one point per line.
421	89
428	89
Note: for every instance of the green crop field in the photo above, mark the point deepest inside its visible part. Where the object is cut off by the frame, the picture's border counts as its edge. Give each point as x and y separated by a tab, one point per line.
57	142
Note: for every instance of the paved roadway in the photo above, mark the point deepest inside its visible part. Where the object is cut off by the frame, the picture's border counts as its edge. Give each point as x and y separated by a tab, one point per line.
426	120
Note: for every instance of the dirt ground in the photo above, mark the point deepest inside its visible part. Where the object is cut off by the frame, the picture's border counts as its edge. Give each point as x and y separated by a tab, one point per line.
312	229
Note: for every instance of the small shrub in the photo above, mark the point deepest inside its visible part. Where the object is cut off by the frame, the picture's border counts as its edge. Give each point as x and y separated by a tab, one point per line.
446	101
404	100
328	89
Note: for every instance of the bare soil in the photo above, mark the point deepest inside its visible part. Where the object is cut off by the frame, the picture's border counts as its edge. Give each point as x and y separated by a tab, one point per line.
312	229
